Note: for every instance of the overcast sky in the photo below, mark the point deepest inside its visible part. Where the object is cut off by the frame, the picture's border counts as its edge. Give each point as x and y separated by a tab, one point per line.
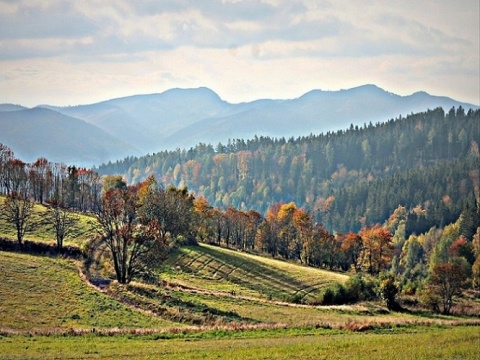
78	52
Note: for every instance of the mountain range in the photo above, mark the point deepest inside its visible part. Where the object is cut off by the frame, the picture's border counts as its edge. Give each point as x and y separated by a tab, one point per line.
181	118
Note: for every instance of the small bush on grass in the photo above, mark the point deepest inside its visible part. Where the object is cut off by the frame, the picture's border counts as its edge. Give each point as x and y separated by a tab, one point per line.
387	290
297	298
357	288
360	288
335	294
180	241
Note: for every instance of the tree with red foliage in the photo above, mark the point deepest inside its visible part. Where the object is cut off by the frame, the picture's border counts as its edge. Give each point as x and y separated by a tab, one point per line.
352	246
462	248
446	281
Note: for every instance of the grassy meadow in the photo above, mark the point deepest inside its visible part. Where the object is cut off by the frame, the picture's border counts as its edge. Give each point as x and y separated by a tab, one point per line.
218	269
417	343
39	293
81	232
210	302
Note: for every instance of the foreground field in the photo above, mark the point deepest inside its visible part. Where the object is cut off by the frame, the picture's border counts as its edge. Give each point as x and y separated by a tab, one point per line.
214	303
412	343
43	294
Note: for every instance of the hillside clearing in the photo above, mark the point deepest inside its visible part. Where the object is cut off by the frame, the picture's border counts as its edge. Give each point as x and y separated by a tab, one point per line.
82	231
218	269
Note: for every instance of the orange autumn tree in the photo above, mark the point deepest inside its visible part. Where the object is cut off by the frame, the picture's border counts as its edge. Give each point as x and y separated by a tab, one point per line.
287	231
377	249
205	216
352	247
303	223
446	281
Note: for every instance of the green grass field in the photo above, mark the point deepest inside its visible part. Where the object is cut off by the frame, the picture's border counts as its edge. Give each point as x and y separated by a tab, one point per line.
40	293
214	303
415	343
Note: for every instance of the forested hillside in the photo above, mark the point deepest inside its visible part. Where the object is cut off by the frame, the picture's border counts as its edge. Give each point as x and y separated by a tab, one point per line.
427	162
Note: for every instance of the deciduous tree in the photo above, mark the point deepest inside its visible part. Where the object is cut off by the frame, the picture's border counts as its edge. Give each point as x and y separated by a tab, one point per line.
135	245
61	220
377	248
17	210
446	281
352	247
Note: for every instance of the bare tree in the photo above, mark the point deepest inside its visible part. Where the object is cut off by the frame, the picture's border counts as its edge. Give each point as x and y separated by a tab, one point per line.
62	221
17	210
6	155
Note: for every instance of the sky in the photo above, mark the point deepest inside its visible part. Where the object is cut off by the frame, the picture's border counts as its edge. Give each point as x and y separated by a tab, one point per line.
80	52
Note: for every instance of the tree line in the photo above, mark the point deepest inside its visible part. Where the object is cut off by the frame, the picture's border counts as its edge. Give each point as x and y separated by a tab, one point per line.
139	221
345	179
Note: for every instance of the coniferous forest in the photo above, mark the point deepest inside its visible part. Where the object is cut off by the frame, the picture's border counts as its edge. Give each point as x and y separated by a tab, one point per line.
427	163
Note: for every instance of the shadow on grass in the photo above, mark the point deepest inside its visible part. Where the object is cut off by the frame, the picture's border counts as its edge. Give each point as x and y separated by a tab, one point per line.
164	304
244	272
40	248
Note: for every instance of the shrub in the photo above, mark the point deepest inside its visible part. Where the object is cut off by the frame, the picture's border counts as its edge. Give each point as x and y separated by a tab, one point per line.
387	290
359	288
297	298
430	300
180	241
335	294
411	288
328	296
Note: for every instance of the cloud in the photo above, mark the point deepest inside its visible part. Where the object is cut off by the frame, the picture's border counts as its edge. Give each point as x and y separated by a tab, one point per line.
246	48
43	20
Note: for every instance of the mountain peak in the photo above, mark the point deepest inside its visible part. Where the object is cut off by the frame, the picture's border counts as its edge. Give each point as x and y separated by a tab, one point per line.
200	92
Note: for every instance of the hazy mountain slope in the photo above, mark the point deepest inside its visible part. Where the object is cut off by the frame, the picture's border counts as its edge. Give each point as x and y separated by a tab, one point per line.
346	178
11	107
182	118
315	112
32	133
146	120
114	121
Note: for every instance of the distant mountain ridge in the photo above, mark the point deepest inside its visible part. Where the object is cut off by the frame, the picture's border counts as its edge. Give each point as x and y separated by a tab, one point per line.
40	132
182	118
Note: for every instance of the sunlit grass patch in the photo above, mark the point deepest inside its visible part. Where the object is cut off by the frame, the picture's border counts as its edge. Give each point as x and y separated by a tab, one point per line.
82	231
45	293
416	343
219	269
